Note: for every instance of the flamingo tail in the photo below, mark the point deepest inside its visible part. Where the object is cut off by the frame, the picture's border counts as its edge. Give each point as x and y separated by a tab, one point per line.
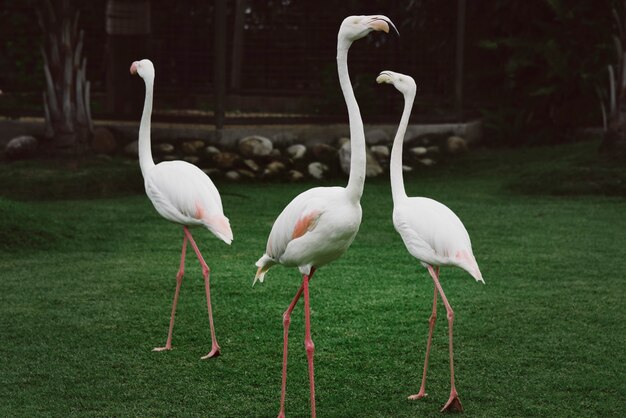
264	265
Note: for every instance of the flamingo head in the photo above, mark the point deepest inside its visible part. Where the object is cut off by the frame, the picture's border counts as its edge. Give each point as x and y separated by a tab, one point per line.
356	27
404	83
144	68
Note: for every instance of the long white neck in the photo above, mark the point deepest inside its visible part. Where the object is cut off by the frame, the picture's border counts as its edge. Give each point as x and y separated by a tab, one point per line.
145	152
357	136
397	181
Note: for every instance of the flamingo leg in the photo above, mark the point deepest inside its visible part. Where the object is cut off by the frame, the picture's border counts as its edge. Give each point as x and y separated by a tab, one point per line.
179	282
308	342
215	348
431	326
454	403
286	322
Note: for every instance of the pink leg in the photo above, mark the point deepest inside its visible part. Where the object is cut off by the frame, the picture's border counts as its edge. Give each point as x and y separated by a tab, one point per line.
454	403
431	326
179	281
215	348
286	322
308	342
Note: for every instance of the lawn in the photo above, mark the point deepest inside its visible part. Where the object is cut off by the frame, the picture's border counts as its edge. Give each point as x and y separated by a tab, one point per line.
87	283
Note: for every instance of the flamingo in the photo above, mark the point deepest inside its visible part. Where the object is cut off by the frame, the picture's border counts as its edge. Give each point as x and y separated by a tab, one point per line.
431	232
183	194
319	225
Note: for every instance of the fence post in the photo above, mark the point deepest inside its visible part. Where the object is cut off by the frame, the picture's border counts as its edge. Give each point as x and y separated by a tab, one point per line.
460	40
220	65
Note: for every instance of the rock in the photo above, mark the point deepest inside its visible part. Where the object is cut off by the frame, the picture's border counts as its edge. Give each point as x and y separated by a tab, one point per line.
324	152
103	141
317	169
407	168
433	149
192	147
418	151
372	167
246	173
273	168
376	136
251	164
456	145
284	139
381	152
19	147
213	172
211	150
342	141
225	160
132	149
426	139
169	157
164	148
255	146
191	159
296	151
275	153
427	162
295	175
233	175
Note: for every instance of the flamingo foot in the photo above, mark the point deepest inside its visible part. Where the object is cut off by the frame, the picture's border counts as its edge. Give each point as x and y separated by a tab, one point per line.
421	394
215	352
166	348
453	404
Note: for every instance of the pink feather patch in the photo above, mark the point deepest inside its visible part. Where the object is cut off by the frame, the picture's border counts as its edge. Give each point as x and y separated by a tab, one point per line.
304	224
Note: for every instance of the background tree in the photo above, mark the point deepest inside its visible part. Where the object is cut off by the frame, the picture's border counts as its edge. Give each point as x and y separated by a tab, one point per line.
614	141
538	65
67	94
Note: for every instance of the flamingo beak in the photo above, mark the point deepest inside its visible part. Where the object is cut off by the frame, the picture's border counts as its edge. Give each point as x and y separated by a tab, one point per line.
382	23
384	77
133	68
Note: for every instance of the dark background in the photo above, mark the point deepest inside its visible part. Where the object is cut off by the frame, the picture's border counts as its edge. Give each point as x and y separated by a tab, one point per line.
533	70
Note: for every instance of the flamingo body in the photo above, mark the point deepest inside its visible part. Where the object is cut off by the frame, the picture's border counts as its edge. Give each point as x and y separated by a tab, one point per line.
431	232
315	228
319	225
183	194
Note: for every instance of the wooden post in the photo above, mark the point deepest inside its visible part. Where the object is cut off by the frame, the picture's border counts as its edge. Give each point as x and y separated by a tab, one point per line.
460	40
219	77
238	37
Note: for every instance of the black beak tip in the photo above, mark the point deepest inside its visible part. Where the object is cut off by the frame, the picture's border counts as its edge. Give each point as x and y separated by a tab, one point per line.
394	27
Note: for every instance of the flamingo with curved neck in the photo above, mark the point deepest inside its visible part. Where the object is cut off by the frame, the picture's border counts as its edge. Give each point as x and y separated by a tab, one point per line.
319	225
183	194
431	232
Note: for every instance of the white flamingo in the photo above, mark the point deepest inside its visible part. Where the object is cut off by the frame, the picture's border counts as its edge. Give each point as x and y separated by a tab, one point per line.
181	193
319	225
430	230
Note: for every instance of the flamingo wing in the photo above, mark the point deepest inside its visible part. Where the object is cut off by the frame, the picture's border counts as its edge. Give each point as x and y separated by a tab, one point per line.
290	241
184	194
297	219
434	234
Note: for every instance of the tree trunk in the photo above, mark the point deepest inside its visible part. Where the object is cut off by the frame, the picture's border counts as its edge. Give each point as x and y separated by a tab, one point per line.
67	95
614	142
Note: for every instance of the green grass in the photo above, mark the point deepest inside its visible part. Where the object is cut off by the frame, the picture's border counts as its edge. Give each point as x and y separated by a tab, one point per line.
87	284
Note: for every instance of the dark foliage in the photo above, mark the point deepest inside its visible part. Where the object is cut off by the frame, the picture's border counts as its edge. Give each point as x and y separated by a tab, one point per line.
540	65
